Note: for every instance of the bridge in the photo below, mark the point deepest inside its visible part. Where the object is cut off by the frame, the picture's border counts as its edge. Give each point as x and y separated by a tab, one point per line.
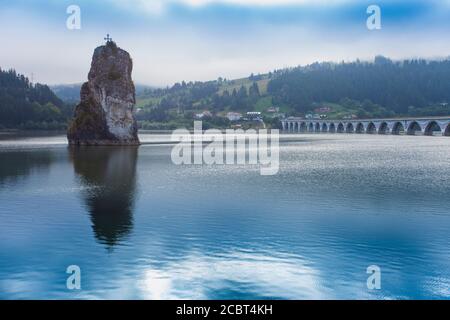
412	126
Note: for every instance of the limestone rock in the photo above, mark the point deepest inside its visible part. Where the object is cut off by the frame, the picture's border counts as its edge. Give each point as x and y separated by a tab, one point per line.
104	115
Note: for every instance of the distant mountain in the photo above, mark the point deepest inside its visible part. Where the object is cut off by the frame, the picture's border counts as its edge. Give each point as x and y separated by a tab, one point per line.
67	92
142	88
29	106
70	93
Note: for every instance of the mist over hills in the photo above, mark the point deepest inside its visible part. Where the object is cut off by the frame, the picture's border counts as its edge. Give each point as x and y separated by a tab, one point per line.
381	88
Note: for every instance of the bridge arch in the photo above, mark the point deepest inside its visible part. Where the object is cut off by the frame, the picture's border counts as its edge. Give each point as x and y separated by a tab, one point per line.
371	128
432	127
398	128
332	128
359	128
303	127
447	130
383	128
349	128
317	127
427	126
413	127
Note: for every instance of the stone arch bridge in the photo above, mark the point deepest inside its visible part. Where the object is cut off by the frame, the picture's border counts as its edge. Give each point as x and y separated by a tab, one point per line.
411	126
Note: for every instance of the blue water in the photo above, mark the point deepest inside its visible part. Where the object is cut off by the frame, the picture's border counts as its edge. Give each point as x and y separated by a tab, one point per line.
141	227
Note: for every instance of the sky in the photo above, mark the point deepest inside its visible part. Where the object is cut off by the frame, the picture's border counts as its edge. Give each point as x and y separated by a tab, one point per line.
198	40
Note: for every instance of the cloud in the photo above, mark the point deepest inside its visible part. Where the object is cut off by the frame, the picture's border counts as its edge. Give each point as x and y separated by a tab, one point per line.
158	6
174	40
261	2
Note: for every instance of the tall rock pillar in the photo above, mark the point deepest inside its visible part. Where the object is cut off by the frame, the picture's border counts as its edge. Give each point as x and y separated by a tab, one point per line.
104	115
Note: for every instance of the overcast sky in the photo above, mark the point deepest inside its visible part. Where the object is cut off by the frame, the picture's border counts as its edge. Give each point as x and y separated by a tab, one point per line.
175	40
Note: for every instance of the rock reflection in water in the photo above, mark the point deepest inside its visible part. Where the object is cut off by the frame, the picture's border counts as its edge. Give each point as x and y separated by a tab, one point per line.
108	178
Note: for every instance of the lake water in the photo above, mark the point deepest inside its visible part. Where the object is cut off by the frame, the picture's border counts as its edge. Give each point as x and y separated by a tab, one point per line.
141	227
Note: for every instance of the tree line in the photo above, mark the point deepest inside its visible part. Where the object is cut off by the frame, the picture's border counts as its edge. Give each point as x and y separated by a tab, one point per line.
29	106
399	87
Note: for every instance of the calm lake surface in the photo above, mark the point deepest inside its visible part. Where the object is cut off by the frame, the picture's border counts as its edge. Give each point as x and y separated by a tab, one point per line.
141	227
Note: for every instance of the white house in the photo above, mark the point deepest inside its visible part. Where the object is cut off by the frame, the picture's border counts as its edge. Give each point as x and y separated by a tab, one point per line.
234	116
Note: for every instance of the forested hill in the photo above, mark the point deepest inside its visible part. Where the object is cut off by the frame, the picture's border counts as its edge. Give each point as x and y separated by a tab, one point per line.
381	88
29	106
396	86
